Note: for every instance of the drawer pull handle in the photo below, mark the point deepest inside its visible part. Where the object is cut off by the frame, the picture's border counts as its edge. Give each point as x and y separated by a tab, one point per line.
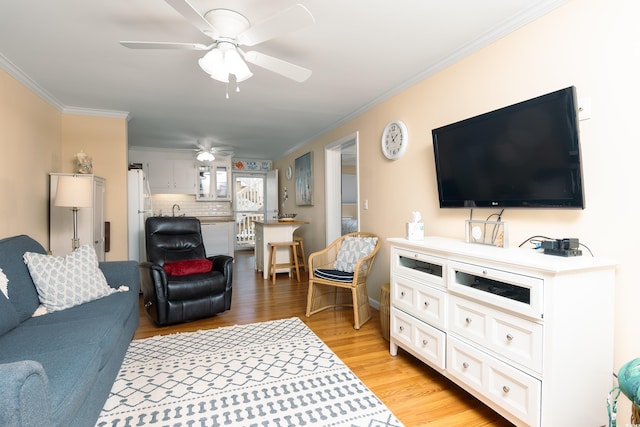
509	337
402	293
401	328
467	320
427	303
425	342
505	389
465	365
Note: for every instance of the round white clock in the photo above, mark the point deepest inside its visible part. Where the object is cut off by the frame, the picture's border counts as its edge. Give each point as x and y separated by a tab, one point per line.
395	138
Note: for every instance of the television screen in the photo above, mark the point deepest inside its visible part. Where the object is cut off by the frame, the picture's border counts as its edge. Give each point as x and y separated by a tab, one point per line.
525	155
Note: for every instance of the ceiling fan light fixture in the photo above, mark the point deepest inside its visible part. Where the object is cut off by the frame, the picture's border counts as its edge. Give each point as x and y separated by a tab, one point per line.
213	64
220	75
205	156
236	65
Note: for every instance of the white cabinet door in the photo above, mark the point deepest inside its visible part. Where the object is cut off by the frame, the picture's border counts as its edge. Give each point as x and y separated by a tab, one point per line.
98	218
217	238
184	177
213	180
169	175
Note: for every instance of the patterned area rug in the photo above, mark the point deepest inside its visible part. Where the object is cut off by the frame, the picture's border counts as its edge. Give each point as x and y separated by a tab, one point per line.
276	373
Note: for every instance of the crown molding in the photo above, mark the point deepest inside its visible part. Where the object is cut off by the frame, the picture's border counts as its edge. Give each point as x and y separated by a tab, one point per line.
34	87
21	77
95	112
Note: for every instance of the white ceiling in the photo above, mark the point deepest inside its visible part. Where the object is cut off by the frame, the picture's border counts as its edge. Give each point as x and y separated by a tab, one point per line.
360	51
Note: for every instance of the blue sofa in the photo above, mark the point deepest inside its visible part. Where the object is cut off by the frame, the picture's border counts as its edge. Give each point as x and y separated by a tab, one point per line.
57	369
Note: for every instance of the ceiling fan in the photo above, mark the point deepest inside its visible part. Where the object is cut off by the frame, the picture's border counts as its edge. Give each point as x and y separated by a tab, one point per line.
208	154
229	30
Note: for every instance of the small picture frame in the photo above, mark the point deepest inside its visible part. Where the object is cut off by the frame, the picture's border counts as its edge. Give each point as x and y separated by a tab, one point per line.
304	179
492	233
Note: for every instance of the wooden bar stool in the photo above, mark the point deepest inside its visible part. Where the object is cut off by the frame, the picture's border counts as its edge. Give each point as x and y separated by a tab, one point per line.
300	241
293	259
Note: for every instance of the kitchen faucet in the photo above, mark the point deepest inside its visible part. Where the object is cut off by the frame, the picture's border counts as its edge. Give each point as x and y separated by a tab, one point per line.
173	209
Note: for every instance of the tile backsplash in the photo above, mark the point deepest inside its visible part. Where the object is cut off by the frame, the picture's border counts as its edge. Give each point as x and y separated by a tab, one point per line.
163	204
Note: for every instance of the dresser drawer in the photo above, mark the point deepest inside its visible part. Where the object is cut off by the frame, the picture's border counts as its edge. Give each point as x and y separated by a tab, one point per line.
425	302
424	341
507	291
511	389
515	338
419	266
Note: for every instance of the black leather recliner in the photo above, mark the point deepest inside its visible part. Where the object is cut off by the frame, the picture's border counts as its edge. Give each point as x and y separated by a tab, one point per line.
173	299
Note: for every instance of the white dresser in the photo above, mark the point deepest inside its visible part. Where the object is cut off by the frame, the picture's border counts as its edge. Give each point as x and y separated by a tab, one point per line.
530	335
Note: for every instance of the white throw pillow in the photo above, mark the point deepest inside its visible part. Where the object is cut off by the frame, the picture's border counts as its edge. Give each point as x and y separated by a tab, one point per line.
64	282
351	250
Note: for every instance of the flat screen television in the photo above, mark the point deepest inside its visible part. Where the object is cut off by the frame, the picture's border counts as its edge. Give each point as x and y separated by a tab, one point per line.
526	155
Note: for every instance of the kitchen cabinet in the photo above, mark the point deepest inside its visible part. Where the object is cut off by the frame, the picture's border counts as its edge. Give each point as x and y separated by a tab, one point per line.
168	172
213	180
528	334
171	176
218	237
91	228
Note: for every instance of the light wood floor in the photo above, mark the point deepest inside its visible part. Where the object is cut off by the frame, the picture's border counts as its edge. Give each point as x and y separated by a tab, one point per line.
415	393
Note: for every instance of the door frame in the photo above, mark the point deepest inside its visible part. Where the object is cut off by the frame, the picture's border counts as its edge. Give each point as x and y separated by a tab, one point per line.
333	185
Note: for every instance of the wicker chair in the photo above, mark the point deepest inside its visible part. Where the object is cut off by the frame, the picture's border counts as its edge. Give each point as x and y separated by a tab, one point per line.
350	290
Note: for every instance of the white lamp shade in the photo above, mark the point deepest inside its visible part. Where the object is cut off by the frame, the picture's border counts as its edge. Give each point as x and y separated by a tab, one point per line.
74	191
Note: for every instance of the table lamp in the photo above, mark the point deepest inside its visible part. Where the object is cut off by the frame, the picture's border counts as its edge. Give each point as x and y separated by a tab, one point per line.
74	192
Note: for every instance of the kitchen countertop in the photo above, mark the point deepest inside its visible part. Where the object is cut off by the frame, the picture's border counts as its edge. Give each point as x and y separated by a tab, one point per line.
215	218
272	222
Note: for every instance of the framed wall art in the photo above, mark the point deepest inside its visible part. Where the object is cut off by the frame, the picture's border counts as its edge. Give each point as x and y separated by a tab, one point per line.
304	180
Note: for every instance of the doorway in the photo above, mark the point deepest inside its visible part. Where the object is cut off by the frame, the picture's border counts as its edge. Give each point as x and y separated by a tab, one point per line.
255	198
342	187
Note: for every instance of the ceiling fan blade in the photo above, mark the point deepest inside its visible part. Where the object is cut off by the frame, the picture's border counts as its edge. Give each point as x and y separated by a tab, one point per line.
291	19
185	9
165	45
284	68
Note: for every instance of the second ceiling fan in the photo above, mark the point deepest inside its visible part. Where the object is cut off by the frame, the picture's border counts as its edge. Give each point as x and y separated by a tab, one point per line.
229	30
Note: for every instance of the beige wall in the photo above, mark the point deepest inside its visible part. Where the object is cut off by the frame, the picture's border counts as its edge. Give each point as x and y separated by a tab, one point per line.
37	139
30	143
591	44
105	140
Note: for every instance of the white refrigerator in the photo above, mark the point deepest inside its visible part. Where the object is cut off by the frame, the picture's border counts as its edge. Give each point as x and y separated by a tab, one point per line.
139	209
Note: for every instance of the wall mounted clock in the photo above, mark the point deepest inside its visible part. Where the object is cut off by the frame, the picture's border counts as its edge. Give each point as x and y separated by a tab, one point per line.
395	138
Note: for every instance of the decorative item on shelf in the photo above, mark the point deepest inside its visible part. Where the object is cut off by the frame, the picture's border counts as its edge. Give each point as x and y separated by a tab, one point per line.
492	233
415	228
84	164
74	192
252	165
285	197
287	217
